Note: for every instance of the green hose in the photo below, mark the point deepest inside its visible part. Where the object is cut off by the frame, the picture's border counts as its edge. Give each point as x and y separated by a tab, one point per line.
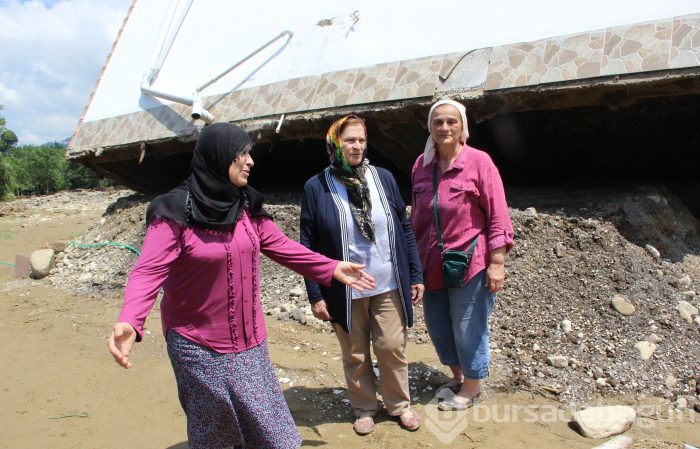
7	263
96	245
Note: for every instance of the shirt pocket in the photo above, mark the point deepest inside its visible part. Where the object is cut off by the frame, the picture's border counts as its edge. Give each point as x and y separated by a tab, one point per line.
463	191
423	194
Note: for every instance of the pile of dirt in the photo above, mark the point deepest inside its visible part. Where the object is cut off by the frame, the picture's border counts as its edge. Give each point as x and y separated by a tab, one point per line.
554	329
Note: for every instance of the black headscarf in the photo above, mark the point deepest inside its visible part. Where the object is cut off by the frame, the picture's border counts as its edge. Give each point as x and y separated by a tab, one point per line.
207	198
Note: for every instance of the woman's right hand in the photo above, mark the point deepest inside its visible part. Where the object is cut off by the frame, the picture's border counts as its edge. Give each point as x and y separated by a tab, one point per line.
120	343
351	274
320	310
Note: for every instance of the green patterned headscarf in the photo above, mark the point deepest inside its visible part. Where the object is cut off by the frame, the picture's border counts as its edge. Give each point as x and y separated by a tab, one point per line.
352	177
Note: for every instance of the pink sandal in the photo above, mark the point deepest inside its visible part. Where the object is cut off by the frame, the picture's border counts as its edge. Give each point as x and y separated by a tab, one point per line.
364	425
410	420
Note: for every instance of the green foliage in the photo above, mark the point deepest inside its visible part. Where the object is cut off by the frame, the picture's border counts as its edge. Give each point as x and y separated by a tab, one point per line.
37	170
8	139
7	184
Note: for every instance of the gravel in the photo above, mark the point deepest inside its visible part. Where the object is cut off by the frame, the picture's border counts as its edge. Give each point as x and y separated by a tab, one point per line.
574	253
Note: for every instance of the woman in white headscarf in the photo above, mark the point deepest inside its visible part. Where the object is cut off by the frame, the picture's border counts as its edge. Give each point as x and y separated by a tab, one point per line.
463	232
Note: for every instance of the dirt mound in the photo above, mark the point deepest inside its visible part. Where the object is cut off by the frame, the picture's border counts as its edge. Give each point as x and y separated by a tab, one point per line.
575	252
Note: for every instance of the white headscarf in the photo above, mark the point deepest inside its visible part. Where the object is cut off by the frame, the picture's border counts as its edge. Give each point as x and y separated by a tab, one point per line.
429	152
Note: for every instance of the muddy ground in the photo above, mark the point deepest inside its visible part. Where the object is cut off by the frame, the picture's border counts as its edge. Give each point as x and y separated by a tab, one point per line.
61	389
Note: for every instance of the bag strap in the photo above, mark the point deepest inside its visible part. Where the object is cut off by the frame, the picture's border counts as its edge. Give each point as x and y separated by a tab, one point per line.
435	208
441	246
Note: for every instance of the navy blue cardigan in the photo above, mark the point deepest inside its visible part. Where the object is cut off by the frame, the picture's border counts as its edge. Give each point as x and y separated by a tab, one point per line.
324	230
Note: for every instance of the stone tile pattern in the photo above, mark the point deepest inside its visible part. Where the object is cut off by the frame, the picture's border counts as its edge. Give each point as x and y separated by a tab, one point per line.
685	43
660	45
637	48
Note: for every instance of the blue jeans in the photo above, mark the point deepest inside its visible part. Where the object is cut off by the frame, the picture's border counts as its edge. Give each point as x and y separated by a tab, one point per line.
458	323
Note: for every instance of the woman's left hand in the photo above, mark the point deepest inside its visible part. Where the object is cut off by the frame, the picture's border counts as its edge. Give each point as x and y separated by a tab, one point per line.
351	274
495	277
417	293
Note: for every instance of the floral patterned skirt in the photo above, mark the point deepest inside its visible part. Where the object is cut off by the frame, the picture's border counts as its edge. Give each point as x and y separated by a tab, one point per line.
230	399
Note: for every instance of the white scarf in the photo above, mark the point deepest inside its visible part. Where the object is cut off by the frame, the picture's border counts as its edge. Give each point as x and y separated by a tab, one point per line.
429	152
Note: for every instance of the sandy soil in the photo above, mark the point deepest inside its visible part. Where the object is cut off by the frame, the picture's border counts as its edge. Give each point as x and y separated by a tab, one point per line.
61	389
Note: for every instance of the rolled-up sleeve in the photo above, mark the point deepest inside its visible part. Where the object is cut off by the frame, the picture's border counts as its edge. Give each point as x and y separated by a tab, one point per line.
493	202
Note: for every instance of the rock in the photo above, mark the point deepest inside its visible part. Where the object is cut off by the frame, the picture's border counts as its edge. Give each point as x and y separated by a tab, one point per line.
41	262
600	382
688	307
697	320
684	282
559	249
59	247
283	316
286	308
558	361
622	305
602	422
566	326
685	315
619	442
645	349
653	251
314	321
295	314
671	382
653	338
689	294
681	403
535	347
531	211
659	274
296	292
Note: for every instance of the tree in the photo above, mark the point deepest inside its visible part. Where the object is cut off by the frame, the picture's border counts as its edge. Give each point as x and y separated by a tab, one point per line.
7	184
38	169
8	139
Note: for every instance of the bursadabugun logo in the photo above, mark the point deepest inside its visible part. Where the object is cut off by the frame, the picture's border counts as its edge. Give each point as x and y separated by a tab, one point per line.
445	425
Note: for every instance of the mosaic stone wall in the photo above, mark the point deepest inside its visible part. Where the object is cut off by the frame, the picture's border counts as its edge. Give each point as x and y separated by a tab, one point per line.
665	44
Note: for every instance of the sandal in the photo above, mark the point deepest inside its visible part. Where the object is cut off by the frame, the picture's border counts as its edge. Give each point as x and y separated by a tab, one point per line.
453	404
410	420
363	425
452	385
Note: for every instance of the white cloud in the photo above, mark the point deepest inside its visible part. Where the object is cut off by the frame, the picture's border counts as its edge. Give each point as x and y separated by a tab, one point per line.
8	97
51	53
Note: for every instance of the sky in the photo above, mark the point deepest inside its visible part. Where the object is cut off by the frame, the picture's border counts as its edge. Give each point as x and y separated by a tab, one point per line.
51	53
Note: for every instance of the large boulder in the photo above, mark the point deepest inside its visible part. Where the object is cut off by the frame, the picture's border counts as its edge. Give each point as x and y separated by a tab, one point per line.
41	262
602	422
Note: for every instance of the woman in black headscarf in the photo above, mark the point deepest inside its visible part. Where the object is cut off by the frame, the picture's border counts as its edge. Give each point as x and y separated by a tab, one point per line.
202	248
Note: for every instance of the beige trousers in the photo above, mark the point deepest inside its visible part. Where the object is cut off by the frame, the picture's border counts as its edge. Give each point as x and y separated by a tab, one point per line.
379	319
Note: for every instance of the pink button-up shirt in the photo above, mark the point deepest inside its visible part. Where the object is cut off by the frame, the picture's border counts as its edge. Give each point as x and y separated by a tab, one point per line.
211	280
471	202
